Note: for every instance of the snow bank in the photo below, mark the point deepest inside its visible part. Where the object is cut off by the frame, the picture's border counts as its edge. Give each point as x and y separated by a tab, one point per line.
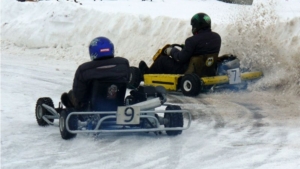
265	36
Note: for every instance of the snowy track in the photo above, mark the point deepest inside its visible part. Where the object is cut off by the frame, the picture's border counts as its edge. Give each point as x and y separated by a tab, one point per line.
43	43
229	130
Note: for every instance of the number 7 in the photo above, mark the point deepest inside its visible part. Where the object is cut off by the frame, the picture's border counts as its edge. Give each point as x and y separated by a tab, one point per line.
234	74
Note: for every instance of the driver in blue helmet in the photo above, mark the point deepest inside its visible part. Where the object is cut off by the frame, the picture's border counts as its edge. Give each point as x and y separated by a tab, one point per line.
103	65
203	43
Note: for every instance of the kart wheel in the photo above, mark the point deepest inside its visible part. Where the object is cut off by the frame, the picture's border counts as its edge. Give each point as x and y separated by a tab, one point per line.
73	125
190	85
135	78
173	120
40	111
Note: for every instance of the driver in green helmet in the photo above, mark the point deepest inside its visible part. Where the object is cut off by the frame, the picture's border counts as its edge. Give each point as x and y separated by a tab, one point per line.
198	54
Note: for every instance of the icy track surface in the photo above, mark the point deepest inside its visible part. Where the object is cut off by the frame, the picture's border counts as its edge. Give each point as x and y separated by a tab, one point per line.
229	130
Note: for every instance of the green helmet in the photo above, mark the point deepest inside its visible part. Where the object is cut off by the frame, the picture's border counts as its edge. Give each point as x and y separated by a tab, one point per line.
200	21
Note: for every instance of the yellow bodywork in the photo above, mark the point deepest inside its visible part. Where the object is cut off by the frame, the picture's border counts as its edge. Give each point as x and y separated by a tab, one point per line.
157	54
159	51
171	81
224	79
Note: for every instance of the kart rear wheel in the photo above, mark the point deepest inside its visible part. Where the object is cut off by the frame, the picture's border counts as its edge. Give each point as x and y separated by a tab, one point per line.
173	120
190	85
73	124
135	78
40	111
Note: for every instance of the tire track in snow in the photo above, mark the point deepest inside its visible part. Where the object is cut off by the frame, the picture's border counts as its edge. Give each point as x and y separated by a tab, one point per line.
200	108
253	124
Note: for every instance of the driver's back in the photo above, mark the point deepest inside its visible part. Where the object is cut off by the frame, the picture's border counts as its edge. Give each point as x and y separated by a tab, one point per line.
103	71
106	96
203	65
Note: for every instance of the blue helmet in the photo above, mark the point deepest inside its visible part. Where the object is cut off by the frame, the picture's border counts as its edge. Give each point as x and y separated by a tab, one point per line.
101	47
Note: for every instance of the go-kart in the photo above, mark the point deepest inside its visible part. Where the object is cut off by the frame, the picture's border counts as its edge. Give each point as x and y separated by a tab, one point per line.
135	113
228	73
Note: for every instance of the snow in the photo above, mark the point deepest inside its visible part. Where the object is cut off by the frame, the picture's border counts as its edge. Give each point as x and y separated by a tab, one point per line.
43	43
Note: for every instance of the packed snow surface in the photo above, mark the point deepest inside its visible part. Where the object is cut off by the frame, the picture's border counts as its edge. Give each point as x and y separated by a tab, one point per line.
42	44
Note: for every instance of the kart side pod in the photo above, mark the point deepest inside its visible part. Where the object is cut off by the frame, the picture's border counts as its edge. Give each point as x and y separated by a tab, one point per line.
192	85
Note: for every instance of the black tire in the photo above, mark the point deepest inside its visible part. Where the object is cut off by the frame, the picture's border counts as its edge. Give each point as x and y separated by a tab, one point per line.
190	85
135	78
173	120
73	124
40	111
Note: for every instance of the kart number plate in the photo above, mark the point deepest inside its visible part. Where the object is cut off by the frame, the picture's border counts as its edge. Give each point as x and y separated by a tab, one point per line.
234	76
128	115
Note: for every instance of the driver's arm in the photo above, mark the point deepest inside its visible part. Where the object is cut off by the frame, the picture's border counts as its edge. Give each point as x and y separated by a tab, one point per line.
79	86
185	54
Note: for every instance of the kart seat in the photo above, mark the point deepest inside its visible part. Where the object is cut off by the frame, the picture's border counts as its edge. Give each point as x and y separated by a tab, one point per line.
203	65
106	96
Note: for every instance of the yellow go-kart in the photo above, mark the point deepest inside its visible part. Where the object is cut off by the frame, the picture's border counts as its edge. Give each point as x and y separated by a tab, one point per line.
193	82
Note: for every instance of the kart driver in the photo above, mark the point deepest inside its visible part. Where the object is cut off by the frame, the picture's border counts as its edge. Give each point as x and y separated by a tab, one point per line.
203	46
103	65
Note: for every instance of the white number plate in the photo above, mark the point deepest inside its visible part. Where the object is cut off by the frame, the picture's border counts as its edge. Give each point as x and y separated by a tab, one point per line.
234	76
128	115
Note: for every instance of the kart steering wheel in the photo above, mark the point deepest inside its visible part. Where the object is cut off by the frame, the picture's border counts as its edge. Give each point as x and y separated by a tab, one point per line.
160	51
172	45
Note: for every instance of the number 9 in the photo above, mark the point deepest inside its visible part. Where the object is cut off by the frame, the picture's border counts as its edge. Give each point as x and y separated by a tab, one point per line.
131	115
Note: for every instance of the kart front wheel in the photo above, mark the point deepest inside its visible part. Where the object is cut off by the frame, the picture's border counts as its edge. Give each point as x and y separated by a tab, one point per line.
73	124
173	120
40	111
190	85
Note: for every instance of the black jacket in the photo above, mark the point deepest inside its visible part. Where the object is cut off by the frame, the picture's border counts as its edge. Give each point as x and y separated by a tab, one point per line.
205	42
107	70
